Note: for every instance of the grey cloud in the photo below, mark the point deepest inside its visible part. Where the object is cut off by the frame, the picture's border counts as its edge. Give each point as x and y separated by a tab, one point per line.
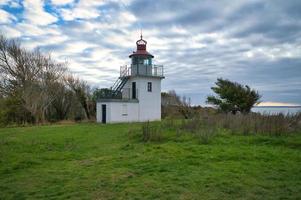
191	70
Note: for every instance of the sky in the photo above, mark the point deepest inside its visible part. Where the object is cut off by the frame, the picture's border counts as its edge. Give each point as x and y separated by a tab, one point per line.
253	42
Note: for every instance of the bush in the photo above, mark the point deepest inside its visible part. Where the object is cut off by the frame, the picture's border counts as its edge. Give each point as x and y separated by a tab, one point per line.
78	118
151	133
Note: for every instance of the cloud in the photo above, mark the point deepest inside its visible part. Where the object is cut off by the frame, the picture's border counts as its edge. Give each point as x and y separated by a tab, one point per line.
252	42
35	14
10	32
5	17
61	2
4	2
82	10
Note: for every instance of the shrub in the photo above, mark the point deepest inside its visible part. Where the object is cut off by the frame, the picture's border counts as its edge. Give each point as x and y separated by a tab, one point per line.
151	133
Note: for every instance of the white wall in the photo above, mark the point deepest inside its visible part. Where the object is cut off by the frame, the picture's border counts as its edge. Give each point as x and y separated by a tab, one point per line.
149	102
147	109
118	112
98	112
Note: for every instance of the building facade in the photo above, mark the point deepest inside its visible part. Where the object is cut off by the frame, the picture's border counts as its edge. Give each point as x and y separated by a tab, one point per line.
136	95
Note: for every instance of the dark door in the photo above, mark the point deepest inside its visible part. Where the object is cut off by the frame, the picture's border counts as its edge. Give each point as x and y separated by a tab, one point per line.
134	90
104	113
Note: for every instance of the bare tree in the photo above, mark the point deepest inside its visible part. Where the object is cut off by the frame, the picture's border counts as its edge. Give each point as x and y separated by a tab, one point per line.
82	92
30	76
63	102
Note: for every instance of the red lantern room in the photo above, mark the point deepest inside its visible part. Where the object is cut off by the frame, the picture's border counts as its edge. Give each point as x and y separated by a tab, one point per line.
141	56
141	64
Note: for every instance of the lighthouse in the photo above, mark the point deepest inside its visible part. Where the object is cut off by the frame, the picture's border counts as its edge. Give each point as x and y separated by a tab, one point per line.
136	95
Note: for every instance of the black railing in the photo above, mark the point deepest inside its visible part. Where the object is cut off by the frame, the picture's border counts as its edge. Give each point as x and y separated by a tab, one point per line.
107	94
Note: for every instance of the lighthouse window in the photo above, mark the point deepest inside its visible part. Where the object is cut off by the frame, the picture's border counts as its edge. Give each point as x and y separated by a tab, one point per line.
145	62
134	61
149	86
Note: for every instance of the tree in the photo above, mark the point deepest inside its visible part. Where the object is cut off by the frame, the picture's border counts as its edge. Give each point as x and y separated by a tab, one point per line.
83	94
29	77
233	97
173	104
63	103
35	88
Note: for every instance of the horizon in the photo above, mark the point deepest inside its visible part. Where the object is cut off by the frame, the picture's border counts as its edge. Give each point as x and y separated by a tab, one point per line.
259	106
276	104
257	43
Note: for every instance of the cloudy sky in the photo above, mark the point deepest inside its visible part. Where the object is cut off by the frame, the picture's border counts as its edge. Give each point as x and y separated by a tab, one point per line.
253	42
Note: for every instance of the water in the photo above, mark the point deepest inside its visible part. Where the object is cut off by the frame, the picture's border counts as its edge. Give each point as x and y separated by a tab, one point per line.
276	110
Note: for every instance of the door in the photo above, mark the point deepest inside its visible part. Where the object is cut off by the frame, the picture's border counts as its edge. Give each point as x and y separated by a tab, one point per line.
104	113
134	90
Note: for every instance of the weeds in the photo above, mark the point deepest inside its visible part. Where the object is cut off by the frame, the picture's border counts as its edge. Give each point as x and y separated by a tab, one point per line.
151	133
199	128
254	123
205	135
206	126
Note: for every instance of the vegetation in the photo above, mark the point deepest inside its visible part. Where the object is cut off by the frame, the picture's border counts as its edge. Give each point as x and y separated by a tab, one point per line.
206	126
233	97
92	161
174	105
193	153
36	89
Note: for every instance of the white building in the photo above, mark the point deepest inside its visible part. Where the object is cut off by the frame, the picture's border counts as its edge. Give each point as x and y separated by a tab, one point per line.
136	95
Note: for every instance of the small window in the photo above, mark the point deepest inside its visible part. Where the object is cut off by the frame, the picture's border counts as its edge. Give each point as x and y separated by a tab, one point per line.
149	86
124	110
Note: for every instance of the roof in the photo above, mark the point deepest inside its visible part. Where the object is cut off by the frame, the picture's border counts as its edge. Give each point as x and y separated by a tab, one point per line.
141	53
141	49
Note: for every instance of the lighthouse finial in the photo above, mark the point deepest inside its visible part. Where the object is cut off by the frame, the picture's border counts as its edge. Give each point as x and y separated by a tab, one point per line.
141	34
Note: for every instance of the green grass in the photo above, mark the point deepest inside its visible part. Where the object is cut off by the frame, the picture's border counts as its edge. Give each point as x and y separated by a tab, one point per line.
91	161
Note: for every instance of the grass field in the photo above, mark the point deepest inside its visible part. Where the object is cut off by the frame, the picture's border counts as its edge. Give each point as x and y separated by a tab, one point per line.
91	161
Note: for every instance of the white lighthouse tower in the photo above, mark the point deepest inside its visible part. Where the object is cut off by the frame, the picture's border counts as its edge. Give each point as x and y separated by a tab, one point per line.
136	95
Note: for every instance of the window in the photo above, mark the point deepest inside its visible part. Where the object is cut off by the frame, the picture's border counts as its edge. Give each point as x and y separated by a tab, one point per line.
134	61
124	110
149	86
134	95
145	62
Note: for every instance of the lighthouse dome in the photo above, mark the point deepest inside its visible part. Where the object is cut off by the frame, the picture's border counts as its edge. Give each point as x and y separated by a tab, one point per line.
141	49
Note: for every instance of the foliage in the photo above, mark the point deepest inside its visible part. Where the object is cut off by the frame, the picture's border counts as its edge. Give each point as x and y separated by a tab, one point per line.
11	109
173	105
33	87
82	91
233	97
